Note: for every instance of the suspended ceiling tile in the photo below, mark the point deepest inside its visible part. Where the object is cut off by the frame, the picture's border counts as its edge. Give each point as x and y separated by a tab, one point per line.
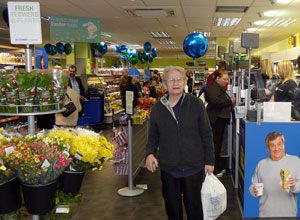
199	3
190	11
234	2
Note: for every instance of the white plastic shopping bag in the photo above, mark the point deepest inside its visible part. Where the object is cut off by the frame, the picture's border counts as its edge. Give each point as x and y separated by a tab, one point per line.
214	197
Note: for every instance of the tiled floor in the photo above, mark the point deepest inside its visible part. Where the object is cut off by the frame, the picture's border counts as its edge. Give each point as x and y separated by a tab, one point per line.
101	201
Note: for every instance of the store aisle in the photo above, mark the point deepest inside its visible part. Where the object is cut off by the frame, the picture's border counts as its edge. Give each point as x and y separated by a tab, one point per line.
101	202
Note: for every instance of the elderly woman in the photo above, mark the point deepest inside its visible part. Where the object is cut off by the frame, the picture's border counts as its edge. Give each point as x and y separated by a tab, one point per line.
286	88
219	110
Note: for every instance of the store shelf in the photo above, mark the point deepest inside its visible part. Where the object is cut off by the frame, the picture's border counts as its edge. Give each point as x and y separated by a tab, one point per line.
9	119
112	93
116	112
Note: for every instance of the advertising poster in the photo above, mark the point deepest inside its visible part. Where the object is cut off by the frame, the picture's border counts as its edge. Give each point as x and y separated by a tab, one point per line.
273	196
75	29
41	58
134	73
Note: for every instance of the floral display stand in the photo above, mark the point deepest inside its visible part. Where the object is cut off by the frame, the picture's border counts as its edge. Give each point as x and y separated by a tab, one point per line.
31	130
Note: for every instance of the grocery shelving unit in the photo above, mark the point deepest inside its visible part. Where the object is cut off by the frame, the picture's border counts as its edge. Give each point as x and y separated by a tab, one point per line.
107	80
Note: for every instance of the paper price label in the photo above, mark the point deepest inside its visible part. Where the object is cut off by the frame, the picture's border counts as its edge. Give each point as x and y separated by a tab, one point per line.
9	150
62	209
68	147
78	155
45	166
66	153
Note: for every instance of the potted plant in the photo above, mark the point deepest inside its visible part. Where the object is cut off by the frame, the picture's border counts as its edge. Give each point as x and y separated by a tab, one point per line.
89	151
38	161
10	193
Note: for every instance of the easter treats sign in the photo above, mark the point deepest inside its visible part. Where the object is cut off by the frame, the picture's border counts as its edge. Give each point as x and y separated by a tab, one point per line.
75	29
24	16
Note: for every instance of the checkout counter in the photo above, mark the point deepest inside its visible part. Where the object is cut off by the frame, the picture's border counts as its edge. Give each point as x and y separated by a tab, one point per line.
248	144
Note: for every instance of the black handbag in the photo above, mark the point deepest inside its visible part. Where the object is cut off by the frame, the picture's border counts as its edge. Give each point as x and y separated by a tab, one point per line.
70	108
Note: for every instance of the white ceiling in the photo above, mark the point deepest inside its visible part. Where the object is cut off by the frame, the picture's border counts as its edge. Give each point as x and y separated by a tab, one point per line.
190	15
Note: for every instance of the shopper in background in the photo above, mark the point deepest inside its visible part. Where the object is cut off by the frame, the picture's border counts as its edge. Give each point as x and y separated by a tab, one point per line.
146	89
189	82
152	88
75	82
286	88
275	201
122	84
71	120
136	82
270	78
179	126
131	87
158	82
221	66
219	112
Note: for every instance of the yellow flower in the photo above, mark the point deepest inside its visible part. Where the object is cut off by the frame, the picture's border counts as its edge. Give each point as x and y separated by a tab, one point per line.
3	168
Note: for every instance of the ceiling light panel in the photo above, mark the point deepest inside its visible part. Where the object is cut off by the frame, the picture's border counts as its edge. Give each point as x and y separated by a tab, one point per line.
166	42
231	9
226	21
270	13
280	22
160	35
172	47
283	1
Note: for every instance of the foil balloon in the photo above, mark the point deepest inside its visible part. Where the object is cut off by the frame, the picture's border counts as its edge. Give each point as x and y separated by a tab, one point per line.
133	59
103	48
60	47
124	48
150	59
49	48
68	48
195	45
54	51
95	46
117	49
147	46
154	52
140	55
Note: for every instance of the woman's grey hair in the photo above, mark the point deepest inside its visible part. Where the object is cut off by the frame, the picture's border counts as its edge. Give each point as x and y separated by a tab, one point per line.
272	136
173	68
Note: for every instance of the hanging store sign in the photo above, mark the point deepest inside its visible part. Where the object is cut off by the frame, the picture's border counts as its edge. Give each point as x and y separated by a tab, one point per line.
75	29
24	16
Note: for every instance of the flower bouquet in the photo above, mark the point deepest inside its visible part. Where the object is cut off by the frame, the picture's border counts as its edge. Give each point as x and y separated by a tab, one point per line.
44	90
60	83
26	88
37	159
88	149
9	84
5	173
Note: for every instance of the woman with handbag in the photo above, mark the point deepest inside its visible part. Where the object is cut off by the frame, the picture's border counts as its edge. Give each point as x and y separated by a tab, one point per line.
69	118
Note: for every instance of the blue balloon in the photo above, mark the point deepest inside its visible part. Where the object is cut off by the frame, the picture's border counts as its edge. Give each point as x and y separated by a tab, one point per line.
60	48
49	48
117	49
124	48
195	45
5	16
154	52
132	52
147	46
103	48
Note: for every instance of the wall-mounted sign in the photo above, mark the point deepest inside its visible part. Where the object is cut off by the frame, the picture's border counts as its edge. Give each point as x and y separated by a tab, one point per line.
75	29
24	16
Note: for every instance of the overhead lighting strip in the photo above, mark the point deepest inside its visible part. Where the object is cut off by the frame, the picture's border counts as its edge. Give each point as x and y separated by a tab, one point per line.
160	34
226	21
166	42
280	22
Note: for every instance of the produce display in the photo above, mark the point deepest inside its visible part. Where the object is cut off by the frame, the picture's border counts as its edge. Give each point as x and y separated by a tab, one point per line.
34	91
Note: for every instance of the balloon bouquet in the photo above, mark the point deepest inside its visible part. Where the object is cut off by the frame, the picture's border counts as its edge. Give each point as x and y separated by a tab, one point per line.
132	56
59	47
